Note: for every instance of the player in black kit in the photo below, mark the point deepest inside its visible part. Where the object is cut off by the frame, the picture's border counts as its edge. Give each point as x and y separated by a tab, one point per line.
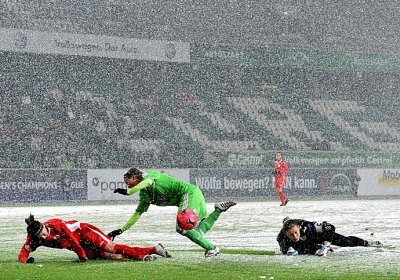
303	237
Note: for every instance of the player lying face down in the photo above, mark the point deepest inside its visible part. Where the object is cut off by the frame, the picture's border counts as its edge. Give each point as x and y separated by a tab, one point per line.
299	236
86	240
294	233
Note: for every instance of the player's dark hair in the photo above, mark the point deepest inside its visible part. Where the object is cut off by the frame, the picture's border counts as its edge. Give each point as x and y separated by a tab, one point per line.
132	172
34	227
289	223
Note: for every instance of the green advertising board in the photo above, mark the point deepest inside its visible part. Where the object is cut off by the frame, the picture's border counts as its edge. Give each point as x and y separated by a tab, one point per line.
255	56
310	159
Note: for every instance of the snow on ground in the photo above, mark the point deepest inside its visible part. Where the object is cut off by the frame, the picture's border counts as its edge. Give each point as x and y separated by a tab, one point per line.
248	225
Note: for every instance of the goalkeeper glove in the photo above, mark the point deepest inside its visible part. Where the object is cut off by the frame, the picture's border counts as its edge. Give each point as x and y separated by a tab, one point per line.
292	252
121	191
80	260
30	260
114	233
324	250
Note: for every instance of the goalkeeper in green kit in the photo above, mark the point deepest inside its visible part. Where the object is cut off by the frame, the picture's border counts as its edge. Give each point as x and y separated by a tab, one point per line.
163	190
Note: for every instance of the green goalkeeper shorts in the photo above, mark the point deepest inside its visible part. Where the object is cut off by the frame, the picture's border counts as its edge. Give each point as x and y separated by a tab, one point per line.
194	200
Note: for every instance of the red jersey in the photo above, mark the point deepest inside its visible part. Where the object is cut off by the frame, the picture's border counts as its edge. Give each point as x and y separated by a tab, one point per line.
62	235
86	240
281	169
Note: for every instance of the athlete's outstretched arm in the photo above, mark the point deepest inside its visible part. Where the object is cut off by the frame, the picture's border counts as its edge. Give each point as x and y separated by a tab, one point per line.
26	249
74	243
144	184
132	220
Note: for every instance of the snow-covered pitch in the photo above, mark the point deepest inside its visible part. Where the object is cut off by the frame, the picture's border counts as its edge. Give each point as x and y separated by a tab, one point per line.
248	225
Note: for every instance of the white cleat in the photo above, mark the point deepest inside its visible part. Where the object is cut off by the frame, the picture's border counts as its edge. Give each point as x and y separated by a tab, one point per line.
223	206
376	244
210	254
149	258
160	250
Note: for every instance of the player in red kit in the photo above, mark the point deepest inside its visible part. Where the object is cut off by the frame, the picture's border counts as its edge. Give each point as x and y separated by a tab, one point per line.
281	169
86	240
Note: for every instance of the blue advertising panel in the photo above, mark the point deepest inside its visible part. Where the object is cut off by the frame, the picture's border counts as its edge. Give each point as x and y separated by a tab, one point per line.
36	185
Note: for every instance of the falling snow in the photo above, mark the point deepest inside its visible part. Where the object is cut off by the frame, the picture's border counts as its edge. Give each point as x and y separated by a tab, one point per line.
368	219
214	85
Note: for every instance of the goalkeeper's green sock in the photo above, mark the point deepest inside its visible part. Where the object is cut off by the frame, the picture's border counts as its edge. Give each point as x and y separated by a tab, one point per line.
199	239
206	224
197	234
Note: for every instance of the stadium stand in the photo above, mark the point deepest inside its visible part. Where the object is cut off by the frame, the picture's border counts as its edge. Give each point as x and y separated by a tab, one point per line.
362	26
92	112
85	114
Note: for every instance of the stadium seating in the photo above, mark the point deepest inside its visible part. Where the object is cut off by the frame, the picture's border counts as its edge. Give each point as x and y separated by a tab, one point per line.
83	113
351	123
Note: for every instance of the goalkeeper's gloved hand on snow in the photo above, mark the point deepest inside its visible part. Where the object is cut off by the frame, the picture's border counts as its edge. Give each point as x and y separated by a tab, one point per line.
121	191
292	252
324	250
114	233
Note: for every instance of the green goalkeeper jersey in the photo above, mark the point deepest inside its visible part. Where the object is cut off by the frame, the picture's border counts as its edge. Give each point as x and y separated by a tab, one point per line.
163	190
159	189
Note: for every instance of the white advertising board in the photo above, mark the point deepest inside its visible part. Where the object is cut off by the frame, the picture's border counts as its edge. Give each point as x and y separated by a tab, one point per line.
19	40
102	182
379	182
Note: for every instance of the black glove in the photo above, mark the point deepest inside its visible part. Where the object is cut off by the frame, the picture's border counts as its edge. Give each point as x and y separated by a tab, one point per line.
81	260
30	260
114	233
121	191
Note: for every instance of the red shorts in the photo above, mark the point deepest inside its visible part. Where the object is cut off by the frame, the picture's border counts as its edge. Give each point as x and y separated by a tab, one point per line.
279	184
92	237
94	253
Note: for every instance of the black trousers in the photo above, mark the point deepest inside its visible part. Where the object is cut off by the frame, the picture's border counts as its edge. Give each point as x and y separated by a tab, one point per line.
344	241
313	243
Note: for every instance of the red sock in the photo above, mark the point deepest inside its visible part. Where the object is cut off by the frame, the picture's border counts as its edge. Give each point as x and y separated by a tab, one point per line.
136	253
282	197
